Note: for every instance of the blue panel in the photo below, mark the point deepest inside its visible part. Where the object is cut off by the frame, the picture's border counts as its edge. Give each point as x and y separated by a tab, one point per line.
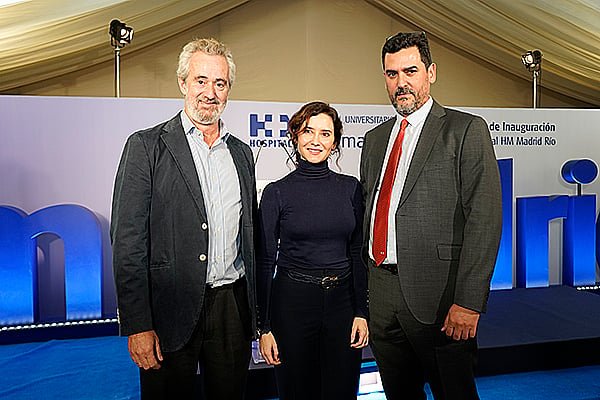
502	278
17	268
579	237
533	215
598	240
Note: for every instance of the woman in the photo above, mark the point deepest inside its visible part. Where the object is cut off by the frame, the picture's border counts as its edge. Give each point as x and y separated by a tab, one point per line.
313	312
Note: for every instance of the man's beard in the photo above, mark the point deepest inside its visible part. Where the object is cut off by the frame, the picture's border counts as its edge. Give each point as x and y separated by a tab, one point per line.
205	116
406	106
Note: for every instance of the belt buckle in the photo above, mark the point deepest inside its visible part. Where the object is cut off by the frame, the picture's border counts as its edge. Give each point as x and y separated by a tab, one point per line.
329	282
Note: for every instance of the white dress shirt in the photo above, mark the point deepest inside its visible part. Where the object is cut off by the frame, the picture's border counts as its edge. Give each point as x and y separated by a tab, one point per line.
412	133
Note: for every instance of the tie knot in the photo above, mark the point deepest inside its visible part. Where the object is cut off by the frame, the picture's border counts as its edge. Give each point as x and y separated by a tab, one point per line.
403	124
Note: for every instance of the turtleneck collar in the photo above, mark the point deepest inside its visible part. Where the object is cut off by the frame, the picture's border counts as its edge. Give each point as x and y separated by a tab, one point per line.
311	170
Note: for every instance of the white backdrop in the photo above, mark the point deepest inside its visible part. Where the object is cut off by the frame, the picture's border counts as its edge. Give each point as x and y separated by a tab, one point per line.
56	150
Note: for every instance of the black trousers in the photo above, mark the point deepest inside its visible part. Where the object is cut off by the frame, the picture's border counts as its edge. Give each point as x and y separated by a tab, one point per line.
409	353
221	343
312	327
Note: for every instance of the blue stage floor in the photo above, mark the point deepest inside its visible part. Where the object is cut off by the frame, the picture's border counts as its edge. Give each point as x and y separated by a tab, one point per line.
524	330
526	316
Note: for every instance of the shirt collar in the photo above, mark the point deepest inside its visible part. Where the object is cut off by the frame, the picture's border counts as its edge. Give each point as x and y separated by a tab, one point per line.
189	127
418	117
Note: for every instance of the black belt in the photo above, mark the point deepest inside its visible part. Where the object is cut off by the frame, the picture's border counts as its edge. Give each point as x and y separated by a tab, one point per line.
325	282
392	268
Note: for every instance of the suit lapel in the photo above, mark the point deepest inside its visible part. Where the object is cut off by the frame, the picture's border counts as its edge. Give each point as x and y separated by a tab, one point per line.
174	139
431	129
380	143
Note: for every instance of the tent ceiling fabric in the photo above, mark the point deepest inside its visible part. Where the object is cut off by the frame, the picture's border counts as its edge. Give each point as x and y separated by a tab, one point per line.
42	39
500	31
46	38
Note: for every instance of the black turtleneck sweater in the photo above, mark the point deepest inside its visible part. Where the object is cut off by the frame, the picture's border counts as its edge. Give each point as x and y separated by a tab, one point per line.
311	218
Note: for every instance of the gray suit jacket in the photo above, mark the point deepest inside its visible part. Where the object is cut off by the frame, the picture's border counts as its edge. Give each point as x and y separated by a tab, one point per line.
159	232
448	222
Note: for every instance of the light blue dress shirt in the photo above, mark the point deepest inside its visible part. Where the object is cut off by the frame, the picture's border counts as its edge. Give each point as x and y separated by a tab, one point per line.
223	202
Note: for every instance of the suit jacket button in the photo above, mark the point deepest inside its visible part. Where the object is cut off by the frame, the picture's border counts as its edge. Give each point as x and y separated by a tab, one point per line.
202	257
204	226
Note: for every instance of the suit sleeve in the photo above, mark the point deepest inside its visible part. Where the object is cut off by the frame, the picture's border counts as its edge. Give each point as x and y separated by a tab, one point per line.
130	237
481	199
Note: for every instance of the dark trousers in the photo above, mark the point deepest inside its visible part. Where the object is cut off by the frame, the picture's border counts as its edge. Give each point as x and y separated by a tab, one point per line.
312	327
409	353
221	343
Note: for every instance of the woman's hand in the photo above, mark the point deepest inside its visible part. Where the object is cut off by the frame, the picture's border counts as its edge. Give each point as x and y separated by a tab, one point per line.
359	337
268	348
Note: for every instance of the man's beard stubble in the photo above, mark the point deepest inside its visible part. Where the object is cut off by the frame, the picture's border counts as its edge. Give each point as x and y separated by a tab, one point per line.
206	117
406	108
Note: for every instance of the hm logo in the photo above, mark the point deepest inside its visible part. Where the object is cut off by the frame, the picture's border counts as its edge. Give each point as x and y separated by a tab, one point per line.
266	125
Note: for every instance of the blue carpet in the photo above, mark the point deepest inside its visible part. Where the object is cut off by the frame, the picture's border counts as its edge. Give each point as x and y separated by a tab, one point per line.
566	384
96	368
100	368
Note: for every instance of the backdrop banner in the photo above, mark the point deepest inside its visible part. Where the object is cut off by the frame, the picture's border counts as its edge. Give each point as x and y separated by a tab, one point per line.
65	150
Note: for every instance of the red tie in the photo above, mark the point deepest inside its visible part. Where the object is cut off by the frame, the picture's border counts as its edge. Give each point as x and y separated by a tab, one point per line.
380	227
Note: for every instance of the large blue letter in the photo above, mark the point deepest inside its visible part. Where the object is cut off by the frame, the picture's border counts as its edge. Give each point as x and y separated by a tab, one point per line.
579	264
17	268
80	231
502	278
533	214
579	237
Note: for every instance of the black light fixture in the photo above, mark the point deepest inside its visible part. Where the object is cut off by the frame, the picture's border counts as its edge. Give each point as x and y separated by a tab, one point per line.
120	35
532	60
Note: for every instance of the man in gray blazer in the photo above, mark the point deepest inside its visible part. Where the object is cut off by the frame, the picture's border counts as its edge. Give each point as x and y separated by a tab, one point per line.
184	205
432	230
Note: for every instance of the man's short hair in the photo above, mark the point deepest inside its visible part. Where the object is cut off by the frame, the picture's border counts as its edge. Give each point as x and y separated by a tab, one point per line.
208	46
404	40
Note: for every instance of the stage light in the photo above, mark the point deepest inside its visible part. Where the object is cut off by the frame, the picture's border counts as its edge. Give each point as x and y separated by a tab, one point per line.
532	60
120	34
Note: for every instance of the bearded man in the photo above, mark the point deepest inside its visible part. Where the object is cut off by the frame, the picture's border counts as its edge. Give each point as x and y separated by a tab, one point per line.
431	231
182	221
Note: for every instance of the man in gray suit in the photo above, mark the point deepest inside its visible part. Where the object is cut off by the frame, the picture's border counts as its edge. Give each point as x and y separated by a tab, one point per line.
432	230
182	231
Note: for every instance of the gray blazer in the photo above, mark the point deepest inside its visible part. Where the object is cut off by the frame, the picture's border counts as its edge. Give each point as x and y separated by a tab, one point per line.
448	222
159	233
